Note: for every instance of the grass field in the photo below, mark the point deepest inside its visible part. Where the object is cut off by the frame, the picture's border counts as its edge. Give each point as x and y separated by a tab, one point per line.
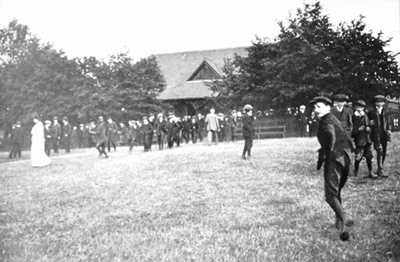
194	203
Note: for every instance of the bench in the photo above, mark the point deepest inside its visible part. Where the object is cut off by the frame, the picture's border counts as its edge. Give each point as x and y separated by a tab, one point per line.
270	130
263	131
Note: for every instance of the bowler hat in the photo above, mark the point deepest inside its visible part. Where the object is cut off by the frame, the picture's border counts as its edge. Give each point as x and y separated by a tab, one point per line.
321	99
360	103
379	98
248	107
341	97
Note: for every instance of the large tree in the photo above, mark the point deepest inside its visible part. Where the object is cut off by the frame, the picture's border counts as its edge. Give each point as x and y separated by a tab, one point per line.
310	57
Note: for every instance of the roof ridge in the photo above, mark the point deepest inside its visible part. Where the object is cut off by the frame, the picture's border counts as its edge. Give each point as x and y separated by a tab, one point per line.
203	50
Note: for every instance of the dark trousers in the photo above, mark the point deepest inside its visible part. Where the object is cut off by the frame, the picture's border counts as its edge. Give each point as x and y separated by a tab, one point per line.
47	146
101	147
147	142
248	144
67	144
194	136
336	172
161	140
109	144
56	144
15	150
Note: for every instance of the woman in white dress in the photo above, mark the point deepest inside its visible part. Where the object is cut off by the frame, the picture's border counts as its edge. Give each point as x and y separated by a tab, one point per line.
38	155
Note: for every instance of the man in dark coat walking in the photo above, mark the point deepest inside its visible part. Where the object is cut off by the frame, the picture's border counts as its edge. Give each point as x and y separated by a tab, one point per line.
343	113
47	137
335	152
100	136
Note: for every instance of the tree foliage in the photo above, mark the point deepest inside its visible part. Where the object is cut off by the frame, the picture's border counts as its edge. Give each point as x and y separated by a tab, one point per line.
310	57
34	77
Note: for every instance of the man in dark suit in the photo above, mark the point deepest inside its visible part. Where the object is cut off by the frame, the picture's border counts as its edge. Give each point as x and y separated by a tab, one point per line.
147	129
248	130
335	152
66	131
161	127
362	140
47	137
16	140
380	131
55	134
302	120
111	130
343	113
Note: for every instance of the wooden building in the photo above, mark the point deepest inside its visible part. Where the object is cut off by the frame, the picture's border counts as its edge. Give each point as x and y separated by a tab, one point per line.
187	75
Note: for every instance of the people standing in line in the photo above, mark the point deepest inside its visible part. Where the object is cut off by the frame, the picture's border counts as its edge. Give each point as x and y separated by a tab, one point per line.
47	137
100	136
112	129
16	140
212	127
362	140
161	129
335	151
380	132
56	134
248	130
302	121
233	125
66	131
343	113
38	156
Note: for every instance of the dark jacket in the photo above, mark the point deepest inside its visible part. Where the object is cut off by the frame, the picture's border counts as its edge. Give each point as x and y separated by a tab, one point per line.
361	137
379	129
56	131
332	138
100	133
17	135
345	118
248	130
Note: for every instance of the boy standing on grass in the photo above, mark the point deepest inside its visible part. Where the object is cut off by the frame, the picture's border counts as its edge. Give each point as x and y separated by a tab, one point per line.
248	130
335	152
361	135
16	140
380	132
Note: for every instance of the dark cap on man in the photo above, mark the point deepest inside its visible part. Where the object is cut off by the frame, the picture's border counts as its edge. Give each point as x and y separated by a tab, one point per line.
341	98
55	118
360	103
18	123
379	98
321	99
65	118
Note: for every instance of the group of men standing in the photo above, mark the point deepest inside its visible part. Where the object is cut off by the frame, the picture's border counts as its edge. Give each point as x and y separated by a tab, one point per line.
341	131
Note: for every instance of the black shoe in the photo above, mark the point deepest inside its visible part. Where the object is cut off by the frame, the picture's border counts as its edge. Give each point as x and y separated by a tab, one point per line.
244	157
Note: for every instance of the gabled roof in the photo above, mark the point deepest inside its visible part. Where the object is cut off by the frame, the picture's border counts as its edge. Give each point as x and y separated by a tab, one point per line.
187	90
178	67
207	65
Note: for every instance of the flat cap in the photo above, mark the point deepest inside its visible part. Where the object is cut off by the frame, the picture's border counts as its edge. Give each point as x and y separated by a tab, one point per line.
18	123
145	117
233	111
55	118
360	103
160	115
302	106
341	97
109	117
379	98
65	118
47	122
321	99
248	107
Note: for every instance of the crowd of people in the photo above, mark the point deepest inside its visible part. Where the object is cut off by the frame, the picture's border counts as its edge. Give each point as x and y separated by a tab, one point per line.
160	130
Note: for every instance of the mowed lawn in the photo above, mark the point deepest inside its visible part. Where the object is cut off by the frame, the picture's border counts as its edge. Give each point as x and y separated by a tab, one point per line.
194	203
